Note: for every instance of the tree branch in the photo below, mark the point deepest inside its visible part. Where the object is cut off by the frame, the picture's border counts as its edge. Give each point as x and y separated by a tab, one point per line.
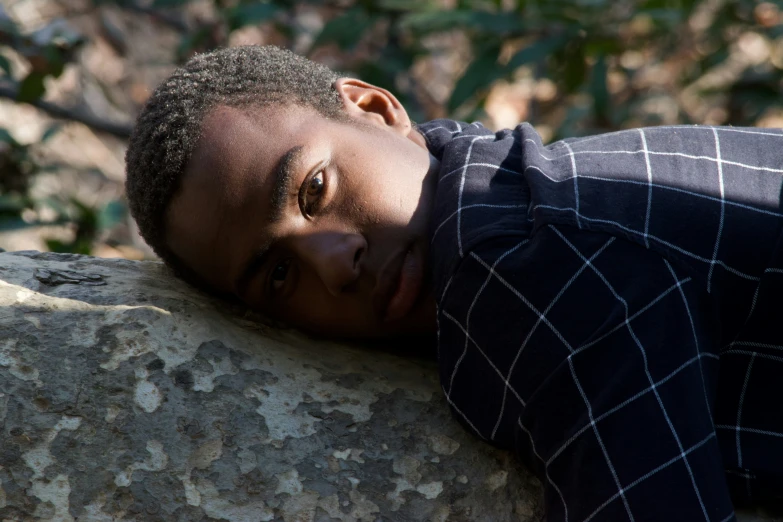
121	130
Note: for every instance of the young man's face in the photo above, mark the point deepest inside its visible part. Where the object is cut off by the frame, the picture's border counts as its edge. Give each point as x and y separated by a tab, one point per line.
319	223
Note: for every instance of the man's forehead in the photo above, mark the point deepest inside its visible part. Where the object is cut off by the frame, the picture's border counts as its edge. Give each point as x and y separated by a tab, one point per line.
224	122
225	136
232	137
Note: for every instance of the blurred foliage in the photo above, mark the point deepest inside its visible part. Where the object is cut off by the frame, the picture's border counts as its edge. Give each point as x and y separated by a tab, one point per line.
45	52
577	44
603	62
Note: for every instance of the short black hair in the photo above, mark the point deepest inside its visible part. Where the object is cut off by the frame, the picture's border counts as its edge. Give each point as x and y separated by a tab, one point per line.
169	125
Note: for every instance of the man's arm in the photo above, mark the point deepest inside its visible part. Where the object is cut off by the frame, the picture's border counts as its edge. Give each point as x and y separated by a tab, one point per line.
593	358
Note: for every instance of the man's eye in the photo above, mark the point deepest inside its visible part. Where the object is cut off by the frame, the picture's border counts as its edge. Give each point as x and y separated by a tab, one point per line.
279	274
313	190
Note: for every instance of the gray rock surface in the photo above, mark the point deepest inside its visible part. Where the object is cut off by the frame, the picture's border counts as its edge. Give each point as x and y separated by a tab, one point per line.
127	395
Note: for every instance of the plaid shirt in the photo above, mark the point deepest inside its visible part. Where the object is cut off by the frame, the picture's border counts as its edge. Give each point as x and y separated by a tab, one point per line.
612	309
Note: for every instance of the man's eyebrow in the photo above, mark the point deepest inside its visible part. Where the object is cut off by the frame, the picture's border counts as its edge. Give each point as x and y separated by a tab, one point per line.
282	175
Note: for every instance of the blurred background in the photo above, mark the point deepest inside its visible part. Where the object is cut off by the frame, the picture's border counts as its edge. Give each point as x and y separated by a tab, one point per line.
74	73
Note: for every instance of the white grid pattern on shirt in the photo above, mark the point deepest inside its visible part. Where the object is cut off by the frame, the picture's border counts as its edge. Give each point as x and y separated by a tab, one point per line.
594	421
546	468
757	354
674	155
722	209
649	187
662	153
646	238
576	181
608	413
470	312
524	300
658	186
750	315
467	207
484	354
533	329
677	285
749	430
652	472
620	489
628	401
739	408
646	364
644	150
468	165
693	331
462	189
659	240
752	344
685	128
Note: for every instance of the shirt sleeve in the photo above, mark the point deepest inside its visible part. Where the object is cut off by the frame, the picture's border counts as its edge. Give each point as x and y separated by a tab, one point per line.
595	359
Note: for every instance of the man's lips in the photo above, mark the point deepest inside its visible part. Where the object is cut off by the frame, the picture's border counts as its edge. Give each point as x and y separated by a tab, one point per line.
399	285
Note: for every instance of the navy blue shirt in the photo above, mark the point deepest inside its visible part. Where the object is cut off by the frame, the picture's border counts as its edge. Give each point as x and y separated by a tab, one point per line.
611	308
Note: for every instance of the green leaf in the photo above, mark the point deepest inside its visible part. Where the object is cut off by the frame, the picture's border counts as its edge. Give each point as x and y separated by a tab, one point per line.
575	67
665	17
404	5
11	205
7	25
606	46
5	65
32	87
55	60
482	71
434	21
345	30
6	137
494	23
572	123
14	223
73	247
191	41
111	215
568	65
250	14
50	132
600	91
775	32
537	51
170	3
439	21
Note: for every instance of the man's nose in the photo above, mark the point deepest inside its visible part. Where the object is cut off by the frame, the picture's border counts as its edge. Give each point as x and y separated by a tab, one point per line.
335	256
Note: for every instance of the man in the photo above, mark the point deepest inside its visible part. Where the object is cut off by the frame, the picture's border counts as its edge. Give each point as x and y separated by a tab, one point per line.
605	306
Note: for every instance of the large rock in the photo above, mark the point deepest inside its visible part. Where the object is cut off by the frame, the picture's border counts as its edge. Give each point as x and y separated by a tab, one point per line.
127	395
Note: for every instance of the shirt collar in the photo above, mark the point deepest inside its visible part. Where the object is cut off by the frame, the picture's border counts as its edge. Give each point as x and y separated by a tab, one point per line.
438	134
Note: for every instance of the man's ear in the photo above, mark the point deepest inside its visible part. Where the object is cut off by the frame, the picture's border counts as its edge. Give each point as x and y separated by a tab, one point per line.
372	104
